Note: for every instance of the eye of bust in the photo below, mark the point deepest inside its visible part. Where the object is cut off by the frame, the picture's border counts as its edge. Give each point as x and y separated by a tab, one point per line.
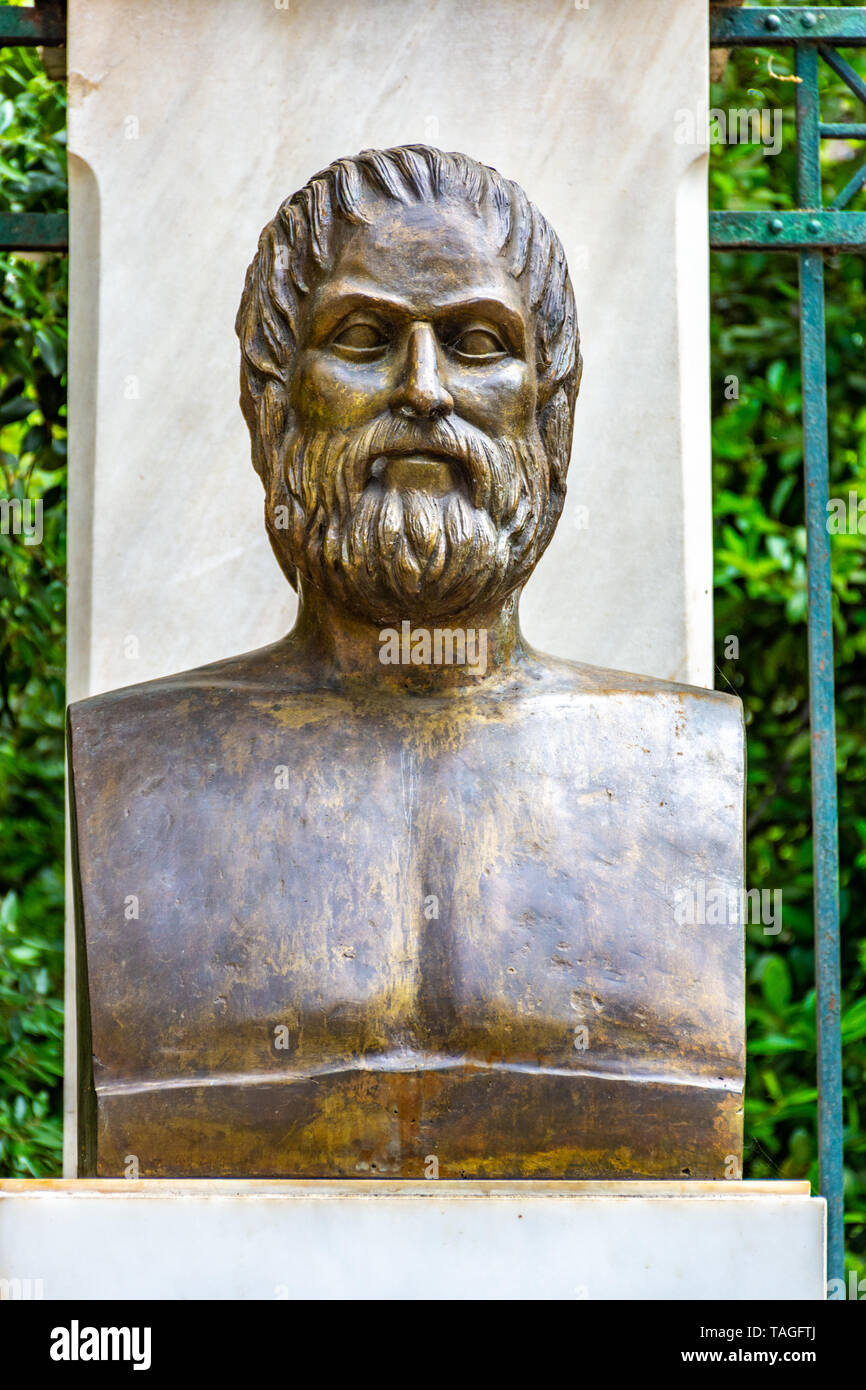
362	338
479	343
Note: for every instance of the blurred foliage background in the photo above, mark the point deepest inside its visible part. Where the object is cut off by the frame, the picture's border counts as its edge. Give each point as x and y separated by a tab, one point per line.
760	600
32	629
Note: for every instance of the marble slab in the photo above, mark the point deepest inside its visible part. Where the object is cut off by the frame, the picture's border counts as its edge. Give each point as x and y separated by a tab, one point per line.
188	124
284	1240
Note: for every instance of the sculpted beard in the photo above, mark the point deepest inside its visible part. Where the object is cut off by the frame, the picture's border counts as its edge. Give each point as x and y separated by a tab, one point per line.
391	553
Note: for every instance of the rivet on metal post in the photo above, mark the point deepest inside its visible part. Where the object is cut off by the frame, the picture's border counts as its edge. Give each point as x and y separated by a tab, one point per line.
772	22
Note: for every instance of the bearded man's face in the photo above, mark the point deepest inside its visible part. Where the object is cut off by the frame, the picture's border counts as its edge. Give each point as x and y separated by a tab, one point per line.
411	480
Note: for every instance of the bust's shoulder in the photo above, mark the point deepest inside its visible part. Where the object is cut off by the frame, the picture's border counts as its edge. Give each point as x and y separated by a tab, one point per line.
257	671
558	677
173	711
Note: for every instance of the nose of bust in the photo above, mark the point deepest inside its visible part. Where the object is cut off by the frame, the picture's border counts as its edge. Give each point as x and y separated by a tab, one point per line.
421	393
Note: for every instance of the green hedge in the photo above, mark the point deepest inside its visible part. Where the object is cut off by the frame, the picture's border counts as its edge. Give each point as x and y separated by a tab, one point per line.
32	631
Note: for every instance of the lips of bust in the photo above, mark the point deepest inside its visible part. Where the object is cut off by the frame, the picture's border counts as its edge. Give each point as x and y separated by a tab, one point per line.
435	456
419	469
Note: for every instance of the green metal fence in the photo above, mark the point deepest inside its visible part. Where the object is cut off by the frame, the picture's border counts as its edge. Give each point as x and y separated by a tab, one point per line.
44	26
815	36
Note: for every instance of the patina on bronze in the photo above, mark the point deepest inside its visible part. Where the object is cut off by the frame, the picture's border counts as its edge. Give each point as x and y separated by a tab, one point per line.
399	887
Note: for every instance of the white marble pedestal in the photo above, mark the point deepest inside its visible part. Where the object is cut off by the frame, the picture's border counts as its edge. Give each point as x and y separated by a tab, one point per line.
112	1239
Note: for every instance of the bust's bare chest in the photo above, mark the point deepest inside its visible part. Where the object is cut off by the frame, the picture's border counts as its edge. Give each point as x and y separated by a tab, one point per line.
271	886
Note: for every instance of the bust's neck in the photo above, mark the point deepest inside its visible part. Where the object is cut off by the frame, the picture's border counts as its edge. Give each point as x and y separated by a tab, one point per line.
425	656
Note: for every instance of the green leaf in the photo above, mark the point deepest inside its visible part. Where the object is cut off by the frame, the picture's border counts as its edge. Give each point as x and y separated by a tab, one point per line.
776	983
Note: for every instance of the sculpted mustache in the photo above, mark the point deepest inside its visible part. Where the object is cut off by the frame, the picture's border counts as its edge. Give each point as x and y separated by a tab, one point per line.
493	481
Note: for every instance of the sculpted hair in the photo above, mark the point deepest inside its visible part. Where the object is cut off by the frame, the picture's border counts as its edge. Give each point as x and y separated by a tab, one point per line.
296	249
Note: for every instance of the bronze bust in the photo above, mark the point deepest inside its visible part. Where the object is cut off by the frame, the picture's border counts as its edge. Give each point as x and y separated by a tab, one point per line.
398	890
